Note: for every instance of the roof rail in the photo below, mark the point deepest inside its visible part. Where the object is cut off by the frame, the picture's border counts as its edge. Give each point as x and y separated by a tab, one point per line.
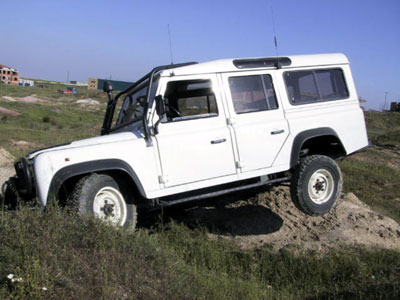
262	62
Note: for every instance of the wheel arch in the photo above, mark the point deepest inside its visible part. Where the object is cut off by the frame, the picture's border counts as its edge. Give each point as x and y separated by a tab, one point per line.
73	173
324	136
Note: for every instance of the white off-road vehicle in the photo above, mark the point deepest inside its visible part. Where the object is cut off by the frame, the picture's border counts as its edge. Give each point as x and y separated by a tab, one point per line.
192	131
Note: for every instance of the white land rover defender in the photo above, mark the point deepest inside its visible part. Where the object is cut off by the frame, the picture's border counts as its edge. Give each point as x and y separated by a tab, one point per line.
192	131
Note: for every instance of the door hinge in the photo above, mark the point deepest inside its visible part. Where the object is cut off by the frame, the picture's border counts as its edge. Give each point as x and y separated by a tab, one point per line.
162	179
230	121
240	164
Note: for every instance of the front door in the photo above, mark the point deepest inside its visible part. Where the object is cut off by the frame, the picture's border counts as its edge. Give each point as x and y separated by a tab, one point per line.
194	141
256	117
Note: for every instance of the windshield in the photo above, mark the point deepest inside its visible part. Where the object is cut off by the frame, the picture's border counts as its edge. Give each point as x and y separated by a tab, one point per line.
133	104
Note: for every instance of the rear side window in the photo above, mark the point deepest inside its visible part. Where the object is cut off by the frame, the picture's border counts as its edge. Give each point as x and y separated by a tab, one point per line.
315	85
252	93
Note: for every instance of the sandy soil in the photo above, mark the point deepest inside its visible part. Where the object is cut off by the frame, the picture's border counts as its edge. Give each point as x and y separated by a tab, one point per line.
88	101
270	218
27	99
8	112
6	165
24	145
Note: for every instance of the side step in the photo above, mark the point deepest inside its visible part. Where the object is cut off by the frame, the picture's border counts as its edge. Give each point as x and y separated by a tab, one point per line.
221	192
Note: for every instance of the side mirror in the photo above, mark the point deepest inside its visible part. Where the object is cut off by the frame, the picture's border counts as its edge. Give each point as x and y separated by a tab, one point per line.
107	87
160	106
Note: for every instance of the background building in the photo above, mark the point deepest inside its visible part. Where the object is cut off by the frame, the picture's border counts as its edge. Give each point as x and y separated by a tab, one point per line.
26	82
97	84
9	75
78	83
395	106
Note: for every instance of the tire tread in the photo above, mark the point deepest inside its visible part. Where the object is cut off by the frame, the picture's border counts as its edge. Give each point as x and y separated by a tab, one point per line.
298	180
82	191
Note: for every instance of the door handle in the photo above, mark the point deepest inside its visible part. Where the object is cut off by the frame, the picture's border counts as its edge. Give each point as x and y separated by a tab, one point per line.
277	131
218	141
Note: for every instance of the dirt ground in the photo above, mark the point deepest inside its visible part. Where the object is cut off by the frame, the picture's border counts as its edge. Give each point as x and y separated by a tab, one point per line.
270	218
6	165
258	218
27	99
8	112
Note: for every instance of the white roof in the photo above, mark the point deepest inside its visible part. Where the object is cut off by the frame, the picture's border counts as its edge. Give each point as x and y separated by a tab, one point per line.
226	65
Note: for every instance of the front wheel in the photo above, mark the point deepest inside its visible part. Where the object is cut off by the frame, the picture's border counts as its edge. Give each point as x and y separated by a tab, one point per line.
105	198
316	184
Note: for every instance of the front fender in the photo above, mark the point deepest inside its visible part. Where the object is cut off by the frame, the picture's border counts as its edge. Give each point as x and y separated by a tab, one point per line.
89	167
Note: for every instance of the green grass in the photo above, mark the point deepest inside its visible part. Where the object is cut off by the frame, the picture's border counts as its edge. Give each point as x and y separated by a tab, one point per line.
383	128
374	175
45	125
82	258
50	93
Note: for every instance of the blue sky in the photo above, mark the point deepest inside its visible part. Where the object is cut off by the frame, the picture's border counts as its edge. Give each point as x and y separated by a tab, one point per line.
125	39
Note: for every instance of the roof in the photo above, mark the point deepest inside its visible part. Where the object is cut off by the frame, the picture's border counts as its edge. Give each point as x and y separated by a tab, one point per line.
7	67
227	65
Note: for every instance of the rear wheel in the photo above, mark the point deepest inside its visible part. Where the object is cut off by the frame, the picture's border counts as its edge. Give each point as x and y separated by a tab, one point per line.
316	184
105	198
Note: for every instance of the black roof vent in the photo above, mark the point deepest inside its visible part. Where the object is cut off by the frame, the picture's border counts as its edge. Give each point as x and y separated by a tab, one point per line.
276	62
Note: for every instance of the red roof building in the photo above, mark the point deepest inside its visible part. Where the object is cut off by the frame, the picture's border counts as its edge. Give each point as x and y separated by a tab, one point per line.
8	75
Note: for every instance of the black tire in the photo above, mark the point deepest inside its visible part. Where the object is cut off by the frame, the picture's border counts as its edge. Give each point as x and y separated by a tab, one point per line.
316	184
101	195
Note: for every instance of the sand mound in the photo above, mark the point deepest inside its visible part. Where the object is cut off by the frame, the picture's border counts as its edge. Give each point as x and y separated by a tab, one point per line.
33	99
88	102
27	99
7	98
8	112
24	144
271	218
6	165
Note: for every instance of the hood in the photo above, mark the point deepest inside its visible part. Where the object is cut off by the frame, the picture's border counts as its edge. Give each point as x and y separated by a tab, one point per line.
104	139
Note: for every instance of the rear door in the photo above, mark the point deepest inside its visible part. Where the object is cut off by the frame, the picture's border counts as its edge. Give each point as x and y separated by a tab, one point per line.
257	118
194	142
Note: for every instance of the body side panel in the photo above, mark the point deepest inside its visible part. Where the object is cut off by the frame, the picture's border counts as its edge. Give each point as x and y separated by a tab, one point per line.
345	117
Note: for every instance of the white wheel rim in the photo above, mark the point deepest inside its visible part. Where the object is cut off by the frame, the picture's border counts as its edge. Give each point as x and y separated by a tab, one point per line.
109	205
320	186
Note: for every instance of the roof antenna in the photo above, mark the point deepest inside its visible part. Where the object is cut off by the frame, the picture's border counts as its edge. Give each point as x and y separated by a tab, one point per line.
170	45
277	64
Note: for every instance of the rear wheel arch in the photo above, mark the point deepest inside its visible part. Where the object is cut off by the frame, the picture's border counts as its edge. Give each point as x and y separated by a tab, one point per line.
324	141
65	179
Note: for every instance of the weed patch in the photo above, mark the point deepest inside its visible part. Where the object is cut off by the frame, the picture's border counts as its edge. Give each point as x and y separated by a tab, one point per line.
61	255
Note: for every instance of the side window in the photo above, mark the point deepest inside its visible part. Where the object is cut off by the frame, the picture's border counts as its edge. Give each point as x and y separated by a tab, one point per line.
252	93
307	87
315	85
190	99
